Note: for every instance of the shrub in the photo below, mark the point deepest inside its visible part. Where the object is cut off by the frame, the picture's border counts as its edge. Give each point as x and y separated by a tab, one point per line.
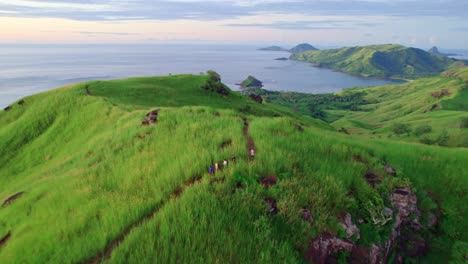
464	122
400	129
424	129
427	140
442	138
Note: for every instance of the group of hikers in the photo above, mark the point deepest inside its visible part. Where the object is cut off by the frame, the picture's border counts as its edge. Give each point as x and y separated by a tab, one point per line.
222	165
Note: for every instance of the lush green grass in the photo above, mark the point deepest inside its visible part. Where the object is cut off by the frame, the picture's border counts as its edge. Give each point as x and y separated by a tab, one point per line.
385	61
90	170
439	102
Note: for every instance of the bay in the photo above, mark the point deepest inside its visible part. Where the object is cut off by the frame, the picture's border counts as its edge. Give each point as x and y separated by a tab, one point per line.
29	69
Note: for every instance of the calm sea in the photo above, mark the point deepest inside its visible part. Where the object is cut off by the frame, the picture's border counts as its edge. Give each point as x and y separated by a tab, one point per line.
29	69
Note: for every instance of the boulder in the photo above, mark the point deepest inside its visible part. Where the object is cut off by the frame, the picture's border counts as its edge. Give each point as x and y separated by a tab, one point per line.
325	246
257	98
271	206
151	118
349	227
390	170
268	181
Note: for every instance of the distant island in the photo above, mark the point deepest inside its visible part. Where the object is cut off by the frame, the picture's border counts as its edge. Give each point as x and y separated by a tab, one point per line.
251	82
379	61
295	50
282	59
434	50
302	48
273	48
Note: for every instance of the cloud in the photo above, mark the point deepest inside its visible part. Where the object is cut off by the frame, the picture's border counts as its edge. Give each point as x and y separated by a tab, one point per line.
300	25
99	10
107	33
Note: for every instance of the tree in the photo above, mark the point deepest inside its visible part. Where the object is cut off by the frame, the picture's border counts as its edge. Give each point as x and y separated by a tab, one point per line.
400	129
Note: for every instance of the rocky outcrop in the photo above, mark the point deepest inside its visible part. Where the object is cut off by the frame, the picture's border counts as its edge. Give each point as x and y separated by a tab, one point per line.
325	246
390	170
349	227
151	118
257	98
404	240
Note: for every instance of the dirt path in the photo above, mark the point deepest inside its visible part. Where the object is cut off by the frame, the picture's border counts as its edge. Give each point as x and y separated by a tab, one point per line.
107	251
88	92
245	132
4	239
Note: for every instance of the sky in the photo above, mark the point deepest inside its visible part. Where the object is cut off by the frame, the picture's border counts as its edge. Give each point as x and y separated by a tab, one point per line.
418	23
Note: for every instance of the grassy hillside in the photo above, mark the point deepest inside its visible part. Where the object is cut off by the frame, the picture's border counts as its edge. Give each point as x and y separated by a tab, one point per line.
101	187
430	111
383	61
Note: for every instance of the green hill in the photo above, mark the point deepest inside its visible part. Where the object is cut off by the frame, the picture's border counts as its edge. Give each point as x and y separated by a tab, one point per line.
83	180
302	48
432	109
383	61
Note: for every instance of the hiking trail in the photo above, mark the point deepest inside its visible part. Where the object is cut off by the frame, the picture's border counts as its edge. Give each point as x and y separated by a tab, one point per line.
245	132
106	253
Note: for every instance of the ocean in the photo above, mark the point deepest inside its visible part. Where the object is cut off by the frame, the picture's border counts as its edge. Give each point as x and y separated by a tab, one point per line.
30	69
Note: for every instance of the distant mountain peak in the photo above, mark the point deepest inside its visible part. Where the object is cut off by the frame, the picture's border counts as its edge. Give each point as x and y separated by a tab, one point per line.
434	50
302	48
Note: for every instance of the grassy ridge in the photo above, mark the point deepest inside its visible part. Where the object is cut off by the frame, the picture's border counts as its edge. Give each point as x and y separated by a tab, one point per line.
383	61
90	170
438	102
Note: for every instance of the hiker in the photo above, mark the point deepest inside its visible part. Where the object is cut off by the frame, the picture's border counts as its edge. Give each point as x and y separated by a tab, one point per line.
211	170
216	166
252	153
224	163
233	159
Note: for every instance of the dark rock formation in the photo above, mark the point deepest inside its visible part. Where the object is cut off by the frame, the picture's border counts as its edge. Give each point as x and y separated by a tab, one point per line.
306	215
372	178
12	199
390	170
271	206
7	108
151	118
268	181
257	98
349	227
404	241
325	246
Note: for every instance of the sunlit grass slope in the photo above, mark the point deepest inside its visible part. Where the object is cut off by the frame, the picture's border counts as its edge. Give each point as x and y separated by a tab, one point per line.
90	172
438	102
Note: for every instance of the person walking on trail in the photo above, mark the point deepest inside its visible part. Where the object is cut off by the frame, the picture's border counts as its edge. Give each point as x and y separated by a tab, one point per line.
211	170
252	153
224	163
216	166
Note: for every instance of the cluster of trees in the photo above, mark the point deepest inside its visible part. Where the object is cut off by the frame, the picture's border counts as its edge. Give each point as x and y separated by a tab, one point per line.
214	84
441	139
320	102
